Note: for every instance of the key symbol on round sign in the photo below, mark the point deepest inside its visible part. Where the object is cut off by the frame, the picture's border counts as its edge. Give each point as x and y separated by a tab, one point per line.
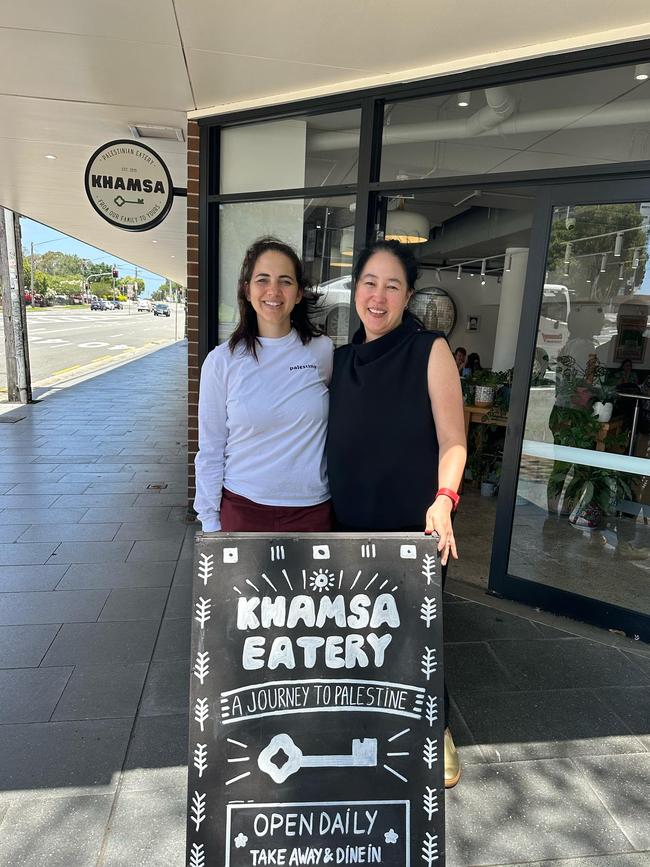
362	755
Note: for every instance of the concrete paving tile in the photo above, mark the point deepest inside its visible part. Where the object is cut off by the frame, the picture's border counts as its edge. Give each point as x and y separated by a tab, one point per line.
179	604
148	831
11	532
39	516
22	461
25	646
566	663
470	752
57	832
152	500
167	689
143	603
86	755
5	488
154	551
26	501
157	755
628	859
102	692
69	533
129	515
69	606
473	666
18	578
184	572
109	575
19	554
640	661
30	473
49	487
62	460
91	552
31	694
632	705
174	640
511	726
110	502
149	530
94	467
187	551
506	801
103	643
623	784
132	486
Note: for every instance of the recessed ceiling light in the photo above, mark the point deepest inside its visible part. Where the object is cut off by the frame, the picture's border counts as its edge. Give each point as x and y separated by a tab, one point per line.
464	99
50	157
173	257
154	242
642	71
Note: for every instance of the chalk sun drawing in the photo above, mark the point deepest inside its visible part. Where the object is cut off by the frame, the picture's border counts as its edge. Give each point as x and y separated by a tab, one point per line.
321	580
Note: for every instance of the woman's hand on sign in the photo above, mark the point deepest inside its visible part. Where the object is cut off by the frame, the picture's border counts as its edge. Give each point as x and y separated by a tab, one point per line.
438	520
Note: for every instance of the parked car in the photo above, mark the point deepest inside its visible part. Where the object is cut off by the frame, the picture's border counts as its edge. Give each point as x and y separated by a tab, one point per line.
99	304
161	310
144	306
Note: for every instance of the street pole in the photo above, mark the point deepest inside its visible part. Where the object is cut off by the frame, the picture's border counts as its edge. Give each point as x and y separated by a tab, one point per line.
19	389
113	273
31	277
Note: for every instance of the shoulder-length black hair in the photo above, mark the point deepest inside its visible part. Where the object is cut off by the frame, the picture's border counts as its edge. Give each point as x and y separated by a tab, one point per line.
247	331
402	252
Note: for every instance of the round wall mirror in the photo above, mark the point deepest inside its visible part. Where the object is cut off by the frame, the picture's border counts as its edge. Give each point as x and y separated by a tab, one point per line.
434	308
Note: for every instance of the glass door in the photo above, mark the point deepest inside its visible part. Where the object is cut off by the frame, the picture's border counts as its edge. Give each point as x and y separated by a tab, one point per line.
574	534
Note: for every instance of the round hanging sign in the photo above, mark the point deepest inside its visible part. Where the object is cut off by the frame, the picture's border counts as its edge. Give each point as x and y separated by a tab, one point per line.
129	185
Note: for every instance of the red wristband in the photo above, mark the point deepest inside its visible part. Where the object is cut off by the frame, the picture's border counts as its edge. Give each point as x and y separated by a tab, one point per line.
453	496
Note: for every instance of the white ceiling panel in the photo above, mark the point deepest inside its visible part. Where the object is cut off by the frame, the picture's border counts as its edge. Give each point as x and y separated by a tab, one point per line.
92	69
139	21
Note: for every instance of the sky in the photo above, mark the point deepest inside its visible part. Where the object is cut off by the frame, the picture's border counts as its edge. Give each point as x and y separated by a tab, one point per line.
49	239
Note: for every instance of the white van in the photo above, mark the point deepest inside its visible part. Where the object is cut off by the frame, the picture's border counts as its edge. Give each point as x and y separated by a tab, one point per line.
553	330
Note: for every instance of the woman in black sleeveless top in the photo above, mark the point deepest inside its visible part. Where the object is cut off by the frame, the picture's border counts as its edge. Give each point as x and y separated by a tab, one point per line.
396	443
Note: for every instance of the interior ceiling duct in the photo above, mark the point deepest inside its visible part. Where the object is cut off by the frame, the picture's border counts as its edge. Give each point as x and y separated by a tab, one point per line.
496	118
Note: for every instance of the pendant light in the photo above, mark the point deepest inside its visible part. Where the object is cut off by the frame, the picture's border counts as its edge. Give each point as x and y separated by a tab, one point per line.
408	227
618	245
347	241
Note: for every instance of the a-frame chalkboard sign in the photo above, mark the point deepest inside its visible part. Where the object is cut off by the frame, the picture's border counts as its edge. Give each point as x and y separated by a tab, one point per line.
316	706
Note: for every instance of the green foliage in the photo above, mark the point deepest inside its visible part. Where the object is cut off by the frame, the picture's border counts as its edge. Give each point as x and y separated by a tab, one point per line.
160	294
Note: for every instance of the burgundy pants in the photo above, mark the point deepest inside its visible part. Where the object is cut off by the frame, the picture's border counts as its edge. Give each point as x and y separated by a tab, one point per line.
239	515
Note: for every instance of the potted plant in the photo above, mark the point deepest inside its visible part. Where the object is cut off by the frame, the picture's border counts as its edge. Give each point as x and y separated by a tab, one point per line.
486	383
605	393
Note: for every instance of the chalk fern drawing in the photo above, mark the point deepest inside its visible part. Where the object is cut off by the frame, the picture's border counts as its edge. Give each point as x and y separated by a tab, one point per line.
206	567
197	813
428	662
431	710
197	856
429	568
429	802
430	753
203	608
201	758
201	666
428	611
201	712
430	848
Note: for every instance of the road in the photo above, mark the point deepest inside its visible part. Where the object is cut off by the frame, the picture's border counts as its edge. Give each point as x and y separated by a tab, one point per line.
66	343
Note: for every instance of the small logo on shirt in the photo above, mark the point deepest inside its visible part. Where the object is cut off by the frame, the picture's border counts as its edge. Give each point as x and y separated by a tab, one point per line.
304	367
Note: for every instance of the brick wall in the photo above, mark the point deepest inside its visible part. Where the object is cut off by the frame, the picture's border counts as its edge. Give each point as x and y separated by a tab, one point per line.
192	300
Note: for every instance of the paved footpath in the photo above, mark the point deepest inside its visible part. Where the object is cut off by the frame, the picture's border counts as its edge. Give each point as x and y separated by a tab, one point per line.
552	718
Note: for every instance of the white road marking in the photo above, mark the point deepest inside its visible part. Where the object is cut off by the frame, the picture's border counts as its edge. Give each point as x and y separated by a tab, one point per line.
91	345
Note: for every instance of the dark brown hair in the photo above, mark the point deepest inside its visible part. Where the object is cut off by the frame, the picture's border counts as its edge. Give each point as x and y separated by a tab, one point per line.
247	330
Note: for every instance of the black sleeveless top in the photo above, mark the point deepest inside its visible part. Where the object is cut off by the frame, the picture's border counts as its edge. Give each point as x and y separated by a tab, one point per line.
382	448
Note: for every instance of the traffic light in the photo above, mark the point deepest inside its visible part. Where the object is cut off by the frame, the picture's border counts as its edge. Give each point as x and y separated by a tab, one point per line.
115	272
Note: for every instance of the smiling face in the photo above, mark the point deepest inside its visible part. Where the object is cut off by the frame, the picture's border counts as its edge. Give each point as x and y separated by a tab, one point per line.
381	294
273	292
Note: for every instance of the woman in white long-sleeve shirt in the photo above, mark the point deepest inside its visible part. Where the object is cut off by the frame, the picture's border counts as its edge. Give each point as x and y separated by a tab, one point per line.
263	406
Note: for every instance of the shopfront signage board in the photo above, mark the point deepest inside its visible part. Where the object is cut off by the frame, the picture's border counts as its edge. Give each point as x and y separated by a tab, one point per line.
316	701
129	185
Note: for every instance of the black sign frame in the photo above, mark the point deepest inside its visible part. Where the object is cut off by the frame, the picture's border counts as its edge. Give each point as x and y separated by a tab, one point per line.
293	689
171	190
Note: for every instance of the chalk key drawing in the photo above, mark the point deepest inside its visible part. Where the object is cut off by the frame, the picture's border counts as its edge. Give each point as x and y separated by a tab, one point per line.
197	811
430	752
321	552
430	848
201	712
201	666
429	568
362	755
428	611
206	567
428	662
368	551
202	611
197	855
201	758
430	802
431	710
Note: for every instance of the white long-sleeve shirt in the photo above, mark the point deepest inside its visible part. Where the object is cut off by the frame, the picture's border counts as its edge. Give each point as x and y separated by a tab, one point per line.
263	424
